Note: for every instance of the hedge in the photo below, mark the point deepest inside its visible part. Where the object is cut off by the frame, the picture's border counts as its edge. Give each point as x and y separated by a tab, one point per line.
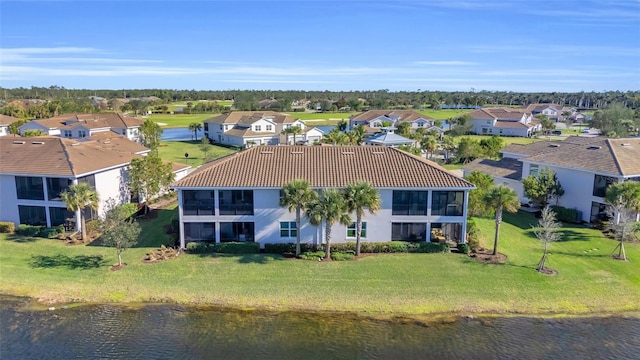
223	248
365	247
565	214
7	227
40	231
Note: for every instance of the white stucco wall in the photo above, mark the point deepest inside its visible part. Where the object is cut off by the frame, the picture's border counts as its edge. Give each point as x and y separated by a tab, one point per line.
32	125
112	184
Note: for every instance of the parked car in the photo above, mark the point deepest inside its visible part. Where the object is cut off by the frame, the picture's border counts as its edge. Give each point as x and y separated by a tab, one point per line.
556	132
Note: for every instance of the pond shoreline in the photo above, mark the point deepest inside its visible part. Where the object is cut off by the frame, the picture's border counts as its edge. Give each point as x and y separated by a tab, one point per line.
424	319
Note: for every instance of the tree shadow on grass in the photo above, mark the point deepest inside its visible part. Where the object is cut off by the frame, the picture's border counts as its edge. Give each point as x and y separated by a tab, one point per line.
247	258
82	262
21	238
566	235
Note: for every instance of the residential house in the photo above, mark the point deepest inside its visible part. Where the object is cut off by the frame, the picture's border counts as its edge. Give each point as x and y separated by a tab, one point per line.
388	138
385	118
5	121
77	126
34	171
504	122
553	111
585	166
249	128
237	198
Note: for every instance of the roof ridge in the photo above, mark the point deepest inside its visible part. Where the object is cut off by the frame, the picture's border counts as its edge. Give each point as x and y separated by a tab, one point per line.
431	163
615	155
66	155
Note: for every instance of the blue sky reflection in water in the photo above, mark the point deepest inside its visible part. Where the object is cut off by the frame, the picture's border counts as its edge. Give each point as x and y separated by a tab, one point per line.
172	331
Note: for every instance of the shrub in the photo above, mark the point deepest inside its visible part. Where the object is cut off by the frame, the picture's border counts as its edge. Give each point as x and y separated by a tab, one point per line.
342	256
281	248
29	230
51	232
565	214
223	248
128	210
429	247
464	248
398	247
175	223
312	255
7	227
348	247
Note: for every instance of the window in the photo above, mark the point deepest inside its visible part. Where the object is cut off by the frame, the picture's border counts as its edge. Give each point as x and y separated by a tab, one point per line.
221	127
533	169
258	128
200	231
236	231
600	184
269	127
288	229
198	202
598	212
409	202
32	215
82	134
206	126
55	186
420	124
351	230
29	188
67	133
408	231
59	216
236	202
90	179
448	203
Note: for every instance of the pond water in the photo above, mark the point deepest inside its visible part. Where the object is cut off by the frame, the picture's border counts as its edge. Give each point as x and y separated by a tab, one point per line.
173	331
179	134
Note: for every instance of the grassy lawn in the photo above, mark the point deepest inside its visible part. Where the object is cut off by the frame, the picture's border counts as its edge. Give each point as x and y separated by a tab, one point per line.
174	151
322	116
183	104
452	166
391	284
511	139
179	120
444	114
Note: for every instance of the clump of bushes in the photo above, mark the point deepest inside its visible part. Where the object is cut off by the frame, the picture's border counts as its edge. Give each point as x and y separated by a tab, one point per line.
429	247
464	248
40	231
565	214
7	227
342	256
223	248
312	255
164	253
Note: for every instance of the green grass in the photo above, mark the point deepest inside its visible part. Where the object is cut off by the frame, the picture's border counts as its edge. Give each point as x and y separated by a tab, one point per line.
183	104
322	116
174	151
510	139
153	232
179	120
589	281
452	166
444	114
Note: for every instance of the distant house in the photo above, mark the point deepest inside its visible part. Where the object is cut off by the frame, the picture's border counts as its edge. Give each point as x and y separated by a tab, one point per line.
585	167
383	118
5	121
503	121
388	138
250	128
552	111
237	198
77	126
34	171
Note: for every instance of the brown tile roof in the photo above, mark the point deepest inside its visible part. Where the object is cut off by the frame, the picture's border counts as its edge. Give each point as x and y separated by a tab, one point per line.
403	115
540	107
609	156
242	132
52	155
322	166
506	167
8	120
249	117
497	113
541	147
510	125
90	121
175	167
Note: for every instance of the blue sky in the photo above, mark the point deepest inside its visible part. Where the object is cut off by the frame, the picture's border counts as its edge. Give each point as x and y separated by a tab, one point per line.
511	45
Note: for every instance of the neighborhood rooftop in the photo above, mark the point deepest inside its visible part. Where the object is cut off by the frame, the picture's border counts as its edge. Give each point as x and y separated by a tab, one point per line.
322	166
401	115
249	117
90	121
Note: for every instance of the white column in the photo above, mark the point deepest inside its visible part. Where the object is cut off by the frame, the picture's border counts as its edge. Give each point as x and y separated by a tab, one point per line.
464	214
180	218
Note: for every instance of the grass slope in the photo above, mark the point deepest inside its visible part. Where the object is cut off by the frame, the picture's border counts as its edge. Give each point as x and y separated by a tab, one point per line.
179	120
174	151
399	284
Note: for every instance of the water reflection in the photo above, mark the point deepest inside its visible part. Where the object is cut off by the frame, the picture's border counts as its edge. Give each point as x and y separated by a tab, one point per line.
165	331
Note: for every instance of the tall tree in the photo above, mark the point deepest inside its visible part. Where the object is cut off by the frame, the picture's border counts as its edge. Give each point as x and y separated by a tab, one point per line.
543	188
468	150
624	199
78	197
148	176
118	229
429	144
403	129
613	121
491	147
296	195
361	197
151	134
195	127
501	198
205	146
546	231
483	183
328	209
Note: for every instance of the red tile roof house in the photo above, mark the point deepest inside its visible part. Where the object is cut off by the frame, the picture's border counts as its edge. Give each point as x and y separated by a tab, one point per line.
504	122
585	167
236	198
249	128
378	118
77	126
34	171
5	121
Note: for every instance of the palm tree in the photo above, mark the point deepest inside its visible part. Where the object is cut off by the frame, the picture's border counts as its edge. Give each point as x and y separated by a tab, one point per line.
624	199
360	197
429	144
296	195
292	130
501	198
78	197
328	209
195	127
